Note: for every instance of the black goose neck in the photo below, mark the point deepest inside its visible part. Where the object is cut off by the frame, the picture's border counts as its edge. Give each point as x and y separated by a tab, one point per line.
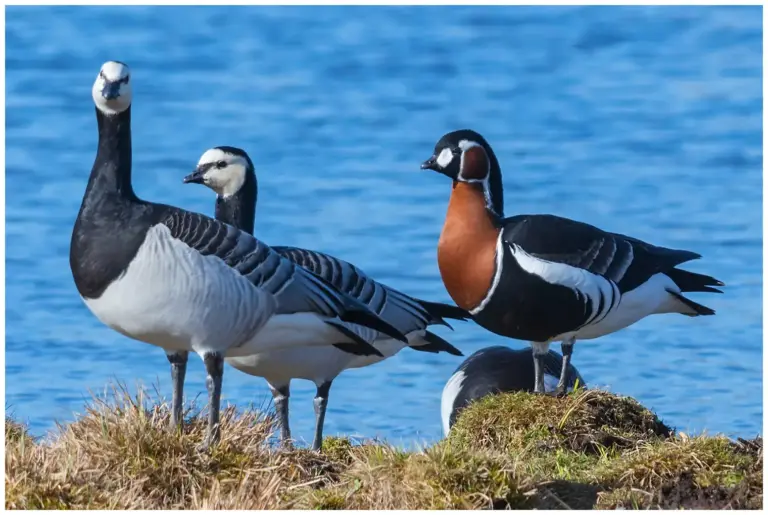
239	209
495	193
111	172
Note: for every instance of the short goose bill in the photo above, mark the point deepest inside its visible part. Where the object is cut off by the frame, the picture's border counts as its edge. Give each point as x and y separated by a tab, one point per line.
196	177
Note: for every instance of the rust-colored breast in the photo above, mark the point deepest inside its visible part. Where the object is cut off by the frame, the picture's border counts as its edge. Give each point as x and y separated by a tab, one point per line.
466	253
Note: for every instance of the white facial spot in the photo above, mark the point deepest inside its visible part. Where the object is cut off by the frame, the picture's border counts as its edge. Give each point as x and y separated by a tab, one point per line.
226	180
466	144
444	158
112	89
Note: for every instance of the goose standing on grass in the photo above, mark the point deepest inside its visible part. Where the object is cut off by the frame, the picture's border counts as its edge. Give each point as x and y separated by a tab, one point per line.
498	369
183	281
230	173
544	278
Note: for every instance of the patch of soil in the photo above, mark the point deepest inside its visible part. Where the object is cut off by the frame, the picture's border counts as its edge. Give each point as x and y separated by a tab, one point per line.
683	493
566	495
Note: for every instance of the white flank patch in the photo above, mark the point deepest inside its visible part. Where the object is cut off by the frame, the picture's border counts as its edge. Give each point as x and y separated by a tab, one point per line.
450	392
496	276
649	298
172	296
590	285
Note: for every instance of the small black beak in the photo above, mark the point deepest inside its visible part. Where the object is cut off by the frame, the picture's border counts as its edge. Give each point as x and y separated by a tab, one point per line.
196	177
429	164
111	90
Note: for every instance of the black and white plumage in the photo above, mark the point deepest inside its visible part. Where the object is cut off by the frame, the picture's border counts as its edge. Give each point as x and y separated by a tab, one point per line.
495	370
230	173
548	278
600	281
183	281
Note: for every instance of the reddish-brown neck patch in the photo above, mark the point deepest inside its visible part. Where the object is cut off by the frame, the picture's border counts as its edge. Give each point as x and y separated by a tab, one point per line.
466	252
474	164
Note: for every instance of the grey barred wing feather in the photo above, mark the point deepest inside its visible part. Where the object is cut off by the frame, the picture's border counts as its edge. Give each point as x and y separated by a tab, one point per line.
403	312
625	261
256	261
297	290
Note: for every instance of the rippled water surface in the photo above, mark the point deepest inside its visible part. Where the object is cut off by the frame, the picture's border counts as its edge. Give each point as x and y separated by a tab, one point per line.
644	121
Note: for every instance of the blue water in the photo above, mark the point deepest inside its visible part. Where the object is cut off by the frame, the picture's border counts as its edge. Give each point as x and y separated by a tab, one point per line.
645	121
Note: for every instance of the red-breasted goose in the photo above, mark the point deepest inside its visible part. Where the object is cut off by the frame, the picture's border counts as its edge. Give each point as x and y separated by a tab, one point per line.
544	278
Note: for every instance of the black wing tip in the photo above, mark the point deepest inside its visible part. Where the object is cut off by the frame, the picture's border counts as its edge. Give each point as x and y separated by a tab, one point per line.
365	317
440	311
437	344
699	309
358	349
358	346
689	281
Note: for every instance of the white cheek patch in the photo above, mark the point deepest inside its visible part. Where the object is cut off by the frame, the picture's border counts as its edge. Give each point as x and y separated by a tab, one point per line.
445	158
227	181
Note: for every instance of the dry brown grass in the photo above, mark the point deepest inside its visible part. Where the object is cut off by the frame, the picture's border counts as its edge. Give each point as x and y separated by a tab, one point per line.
591	449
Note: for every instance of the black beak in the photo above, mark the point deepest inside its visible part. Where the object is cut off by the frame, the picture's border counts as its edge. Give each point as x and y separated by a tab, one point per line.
429	164
196	177
111	90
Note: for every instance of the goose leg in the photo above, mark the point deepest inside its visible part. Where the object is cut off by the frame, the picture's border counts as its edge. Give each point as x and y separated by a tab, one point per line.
321	403
214	368
567	348
280	396
539	351
178	361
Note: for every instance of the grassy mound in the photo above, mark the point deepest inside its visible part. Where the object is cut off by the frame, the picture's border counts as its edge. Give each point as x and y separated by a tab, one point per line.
587	422
590	449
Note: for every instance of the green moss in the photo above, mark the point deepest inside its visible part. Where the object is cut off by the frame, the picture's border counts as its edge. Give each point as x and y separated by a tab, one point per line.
327	501
337	448
589	421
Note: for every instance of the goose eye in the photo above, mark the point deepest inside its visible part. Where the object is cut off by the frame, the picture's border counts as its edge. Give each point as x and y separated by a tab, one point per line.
221	164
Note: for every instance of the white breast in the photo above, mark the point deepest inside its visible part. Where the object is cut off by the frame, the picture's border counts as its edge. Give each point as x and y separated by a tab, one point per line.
174	297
